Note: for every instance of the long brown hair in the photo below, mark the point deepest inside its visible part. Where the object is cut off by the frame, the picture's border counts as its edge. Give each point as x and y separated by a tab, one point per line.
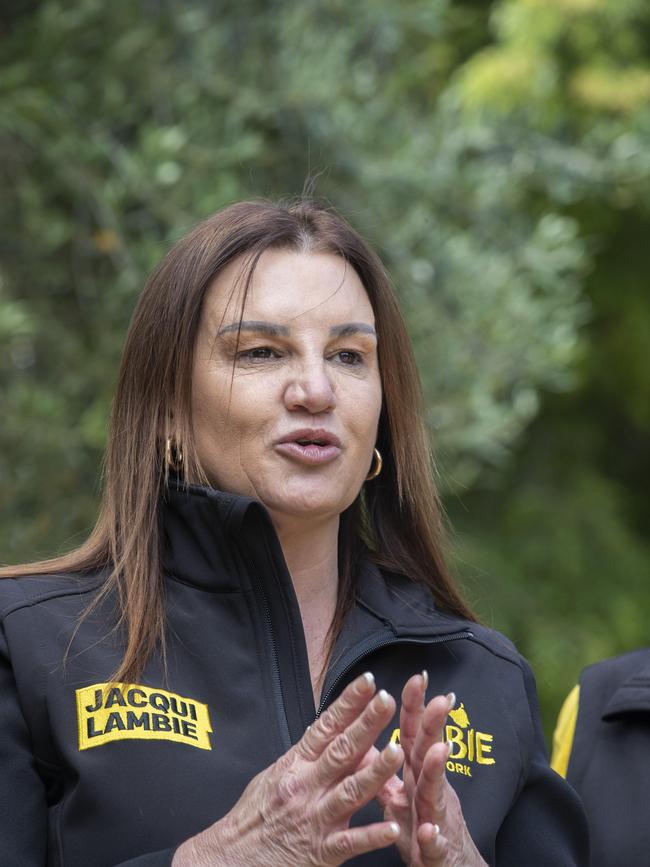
397	518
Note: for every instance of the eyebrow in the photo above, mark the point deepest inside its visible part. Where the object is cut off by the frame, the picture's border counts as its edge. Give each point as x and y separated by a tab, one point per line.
274	330
351	328
269	328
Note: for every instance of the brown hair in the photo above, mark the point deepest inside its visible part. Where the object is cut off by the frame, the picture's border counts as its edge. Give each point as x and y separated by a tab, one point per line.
396	519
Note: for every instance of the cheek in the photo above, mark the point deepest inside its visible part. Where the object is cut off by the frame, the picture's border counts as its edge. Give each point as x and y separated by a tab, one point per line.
367	410
227	412
362	426
209	409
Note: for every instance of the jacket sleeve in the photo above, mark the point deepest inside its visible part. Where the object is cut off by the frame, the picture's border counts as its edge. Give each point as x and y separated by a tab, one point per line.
23	800
546	824
23	806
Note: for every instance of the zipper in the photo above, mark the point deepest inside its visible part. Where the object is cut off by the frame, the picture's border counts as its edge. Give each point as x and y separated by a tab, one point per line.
275	673
376	645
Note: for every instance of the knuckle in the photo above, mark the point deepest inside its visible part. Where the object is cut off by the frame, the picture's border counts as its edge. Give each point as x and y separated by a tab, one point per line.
330	811
306	747
284	762
440	801
368	718
350	792
342	847
288	787
342	750
328	723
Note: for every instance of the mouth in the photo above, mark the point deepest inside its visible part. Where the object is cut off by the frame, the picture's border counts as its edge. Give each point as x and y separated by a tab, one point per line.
311	447
305	441
307	437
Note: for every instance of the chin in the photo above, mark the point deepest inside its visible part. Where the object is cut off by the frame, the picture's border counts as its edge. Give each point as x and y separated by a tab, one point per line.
307	506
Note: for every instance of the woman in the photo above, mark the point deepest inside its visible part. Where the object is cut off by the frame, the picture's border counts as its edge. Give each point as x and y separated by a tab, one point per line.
190	686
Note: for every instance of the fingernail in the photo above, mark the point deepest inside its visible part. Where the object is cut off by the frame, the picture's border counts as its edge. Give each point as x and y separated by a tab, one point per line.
383	697
369	678
449	748
425	678
393	829
436	829
307	729
451	699
391	750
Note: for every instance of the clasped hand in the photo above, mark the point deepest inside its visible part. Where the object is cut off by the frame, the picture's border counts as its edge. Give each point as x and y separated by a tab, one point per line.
297	811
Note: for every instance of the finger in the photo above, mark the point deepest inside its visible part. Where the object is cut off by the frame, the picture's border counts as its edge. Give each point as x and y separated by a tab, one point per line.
431	789
431	729
347	749
341	846
352	701
369	758
411	712
393	795
359	788
433	845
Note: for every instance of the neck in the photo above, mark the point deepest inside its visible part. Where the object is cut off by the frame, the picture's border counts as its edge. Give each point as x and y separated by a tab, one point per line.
311	553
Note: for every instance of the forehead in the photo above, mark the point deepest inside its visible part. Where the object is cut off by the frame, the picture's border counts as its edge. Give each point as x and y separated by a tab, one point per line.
287	286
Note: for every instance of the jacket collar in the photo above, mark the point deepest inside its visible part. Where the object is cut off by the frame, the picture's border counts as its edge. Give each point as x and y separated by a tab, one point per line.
205	531
632	696
202	529
405	606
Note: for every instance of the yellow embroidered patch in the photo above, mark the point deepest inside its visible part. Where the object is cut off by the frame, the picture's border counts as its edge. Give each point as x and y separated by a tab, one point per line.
122	711
468	745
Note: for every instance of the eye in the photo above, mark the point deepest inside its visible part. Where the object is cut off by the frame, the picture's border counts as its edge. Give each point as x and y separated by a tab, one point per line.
349	356
258	353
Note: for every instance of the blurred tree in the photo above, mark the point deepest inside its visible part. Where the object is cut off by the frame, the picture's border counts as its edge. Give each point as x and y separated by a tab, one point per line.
475	145
121	125
566	526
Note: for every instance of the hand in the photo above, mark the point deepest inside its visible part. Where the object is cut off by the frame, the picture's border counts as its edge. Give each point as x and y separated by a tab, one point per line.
432	828
297	812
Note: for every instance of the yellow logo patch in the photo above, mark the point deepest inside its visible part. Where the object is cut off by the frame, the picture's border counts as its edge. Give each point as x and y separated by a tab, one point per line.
469	746
122	711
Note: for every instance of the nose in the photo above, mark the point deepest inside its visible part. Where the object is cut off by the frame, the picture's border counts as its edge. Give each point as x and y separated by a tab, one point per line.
310	389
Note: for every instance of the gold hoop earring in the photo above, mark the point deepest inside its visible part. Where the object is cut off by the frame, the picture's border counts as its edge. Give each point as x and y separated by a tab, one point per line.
173	455
377	465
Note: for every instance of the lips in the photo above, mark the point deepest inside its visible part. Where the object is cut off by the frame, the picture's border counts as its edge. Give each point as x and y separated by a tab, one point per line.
305	436
310	446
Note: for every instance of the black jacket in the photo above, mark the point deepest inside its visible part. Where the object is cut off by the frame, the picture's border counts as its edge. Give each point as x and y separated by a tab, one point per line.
610	758
92	778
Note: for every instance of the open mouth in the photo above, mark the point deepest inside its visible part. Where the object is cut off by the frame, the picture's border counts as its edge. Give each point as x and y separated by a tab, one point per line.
305	442
310	447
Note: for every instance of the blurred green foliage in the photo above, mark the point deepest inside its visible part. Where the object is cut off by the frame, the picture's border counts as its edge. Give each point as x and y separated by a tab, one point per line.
497	155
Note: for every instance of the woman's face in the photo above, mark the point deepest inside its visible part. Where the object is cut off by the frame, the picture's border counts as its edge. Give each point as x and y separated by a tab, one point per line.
286	408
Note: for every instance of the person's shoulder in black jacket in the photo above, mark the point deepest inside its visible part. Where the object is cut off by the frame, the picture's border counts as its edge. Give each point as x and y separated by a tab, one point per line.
602	747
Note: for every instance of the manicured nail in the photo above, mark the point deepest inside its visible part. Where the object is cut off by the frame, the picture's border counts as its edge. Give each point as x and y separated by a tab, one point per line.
425	678
393	829
451	699
383	697
369	678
